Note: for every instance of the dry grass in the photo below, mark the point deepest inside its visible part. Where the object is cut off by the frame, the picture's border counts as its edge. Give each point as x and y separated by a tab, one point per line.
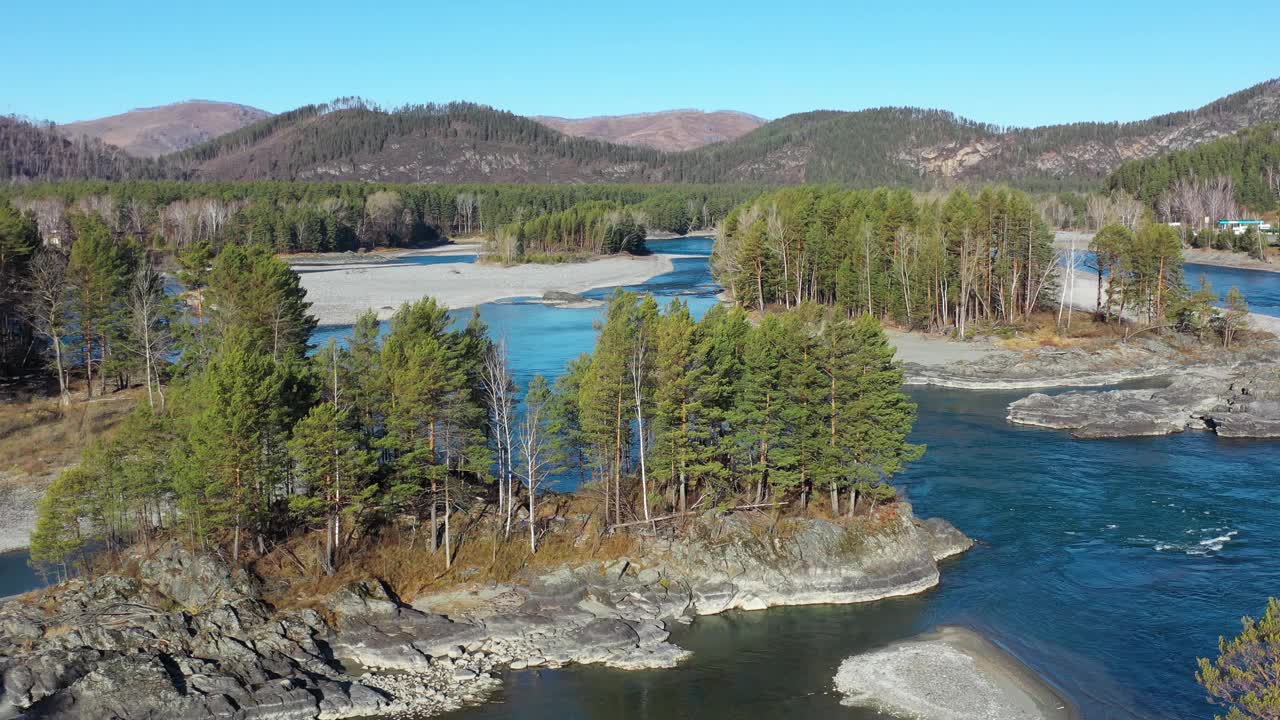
1042	331
402	557
37	438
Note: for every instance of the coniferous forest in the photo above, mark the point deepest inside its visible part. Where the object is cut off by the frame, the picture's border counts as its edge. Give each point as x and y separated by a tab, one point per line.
325	217
1218	180
926	262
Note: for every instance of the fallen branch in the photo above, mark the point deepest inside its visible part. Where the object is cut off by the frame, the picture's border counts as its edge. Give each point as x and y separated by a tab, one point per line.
1149	327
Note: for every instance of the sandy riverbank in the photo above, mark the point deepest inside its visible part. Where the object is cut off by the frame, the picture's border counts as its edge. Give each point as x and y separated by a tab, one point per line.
320	262
340	293
937	350
950	674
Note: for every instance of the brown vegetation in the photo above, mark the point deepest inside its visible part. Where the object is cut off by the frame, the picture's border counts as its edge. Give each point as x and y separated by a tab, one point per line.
155	131
38	438
670	131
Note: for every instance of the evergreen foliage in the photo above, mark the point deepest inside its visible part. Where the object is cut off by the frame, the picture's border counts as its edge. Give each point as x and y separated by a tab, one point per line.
1243	678
1250	158
327	217
921	262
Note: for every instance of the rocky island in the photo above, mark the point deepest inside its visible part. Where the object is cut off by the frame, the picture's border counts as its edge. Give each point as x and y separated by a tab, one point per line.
179	634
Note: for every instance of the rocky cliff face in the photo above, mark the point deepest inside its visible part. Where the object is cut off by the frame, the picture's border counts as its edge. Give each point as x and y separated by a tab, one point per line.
190	639
1089	151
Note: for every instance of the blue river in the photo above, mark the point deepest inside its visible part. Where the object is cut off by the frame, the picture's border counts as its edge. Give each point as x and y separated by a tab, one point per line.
1108	566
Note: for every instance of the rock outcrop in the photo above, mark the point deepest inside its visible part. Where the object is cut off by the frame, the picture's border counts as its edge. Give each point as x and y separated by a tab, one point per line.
189	638
1051	367
1236	405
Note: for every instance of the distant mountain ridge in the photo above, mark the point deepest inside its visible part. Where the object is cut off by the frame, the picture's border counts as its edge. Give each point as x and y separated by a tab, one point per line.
351	140
156	131
667	130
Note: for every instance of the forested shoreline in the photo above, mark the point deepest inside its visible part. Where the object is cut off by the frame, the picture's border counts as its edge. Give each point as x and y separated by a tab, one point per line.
1208	180
923	262
323	217
963	262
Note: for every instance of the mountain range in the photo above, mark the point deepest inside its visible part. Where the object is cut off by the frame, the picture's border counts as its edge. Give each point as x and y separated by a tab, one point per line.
463	142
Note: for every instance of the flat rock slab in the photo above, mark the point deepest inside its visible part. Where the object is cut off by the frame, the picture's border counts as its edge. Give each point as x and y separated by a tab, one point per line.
1239	404
951	674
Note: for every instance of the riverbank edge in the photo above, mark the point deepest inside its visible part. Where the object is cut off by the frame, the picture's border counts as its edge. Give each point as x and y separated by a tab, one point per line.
915	691
397	657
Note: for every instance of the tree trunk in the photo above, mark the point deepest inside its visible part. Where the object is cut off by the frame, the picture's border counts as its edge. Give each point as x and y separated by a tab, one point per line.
448	548
533	534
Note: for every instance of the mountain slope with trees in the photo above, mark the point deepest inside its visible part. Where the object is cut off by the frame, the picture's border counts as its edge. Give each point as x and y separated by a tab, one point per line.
38	151
458	142
1242	169
350	139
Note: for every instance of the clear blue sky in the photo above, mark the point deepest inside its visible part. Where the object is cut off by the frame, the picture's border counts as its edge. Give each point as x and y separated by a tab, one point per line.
1020	63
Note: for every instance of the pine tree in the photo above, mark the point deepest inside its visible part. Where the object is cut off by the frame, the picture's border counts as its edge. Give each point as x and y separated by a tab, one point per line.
605	404
98	271
253	291
333	471
247	402
679	434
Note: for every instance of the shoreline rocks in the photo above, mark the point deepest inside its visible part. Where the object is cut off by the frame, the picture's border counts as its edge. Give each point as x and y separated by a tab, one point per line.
1050	367
190	638
1236	405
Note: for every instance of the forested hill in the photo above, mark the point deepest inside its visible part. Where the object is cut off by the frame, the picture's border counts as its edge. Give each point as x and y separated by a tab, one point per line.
456	142
37	151
905	146
1086	152
1247	165
463	142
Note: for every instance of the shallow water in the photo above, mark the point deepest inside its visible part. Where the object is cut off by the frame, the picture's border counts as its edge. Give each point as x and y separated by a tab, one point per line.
16	575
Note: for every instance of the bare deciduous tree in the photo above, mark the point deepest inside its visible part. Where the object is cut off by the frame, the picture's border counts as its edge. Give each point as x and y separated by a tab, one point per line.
47	307
152	340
